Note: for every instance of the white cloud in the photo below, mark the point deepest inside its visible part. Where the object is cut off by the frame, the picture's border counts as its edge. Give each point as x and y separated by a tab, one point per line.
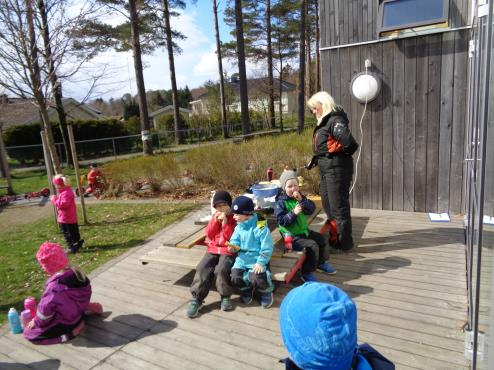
196	64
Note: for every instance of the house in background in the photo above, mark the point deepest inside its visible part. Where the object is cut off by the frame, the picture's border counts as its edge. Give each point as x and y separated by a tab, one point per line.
168	110
257	89
18	112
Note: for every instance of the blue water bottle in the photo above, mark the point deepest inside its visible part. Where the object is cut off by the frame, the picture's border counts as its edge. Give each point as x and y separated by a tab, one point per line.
14	321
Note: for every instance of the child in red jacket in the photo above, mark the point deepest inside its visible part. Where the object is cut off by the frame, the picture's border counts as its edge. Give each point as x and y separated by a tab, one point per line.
67	213
217	261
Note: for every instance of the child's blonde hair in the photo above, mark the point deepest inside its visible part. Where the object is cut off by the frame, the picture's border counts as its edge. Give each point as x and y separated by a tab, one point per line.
61	180
323	99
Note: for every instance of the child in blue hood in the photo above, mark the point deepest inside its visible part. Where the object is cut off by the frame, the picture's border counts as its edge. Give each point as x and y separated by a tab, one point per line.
292	209
318	324
252	239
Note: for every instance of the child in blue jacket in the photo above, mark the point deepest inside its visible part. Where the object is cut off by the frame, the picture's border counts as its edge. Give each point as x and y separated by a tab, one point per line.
252	239
292	209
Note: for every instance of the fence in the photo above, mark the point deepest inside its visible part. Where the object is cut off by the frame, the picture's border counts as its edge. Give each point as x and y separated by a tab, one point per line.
32	155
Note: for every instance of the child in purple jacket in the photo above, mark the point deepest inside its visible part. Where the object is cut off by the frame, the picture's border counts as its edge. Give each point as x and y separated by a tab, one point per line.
65	300
67	213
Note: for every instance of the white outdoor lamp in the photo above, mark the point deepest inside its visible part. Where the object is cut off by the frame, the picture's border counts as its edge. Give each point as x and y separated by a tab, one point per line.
365	87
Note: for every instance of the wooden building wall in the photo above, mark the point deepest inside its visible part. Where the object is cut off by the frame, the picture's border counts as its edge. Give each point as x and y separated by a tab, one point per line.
413	133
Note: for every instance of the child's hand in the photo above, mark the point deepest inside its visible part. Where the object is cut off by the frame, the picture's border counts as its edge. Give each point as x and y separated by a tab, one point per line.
232	248
221	217
53	197
30	324
297	195
298	209
257	268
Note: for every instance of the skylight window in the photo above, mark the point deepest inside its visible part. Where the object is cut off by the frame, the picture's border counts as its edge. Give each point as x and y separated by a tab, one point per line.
402	14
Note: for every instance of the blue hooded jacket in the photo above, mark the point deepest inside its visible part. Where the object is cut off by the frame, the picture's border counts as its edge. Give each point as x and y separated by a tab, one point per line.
256	245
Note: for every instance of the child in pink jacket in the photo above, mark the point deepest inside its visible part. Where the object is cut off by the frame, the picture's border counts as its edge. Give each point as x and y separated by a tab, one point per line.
67	213
65	300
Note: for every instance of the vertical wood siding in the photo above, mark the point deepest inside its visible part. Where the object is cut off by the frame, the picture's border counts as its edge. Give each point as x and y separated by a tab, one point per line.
413	133
351	21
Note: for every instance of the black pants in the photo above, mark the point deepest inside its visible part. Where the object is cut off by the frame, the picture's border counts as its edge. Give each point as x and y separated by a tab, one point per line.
336	177
247	279
71	234
211	265
316	250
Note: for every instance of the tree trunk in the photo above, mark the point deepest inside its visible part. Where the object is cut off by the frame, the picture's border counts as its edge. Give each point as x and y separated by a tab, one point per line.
171	63
35	77
318	55
55	84
271	117
301	70
244	98
147	148
220	71
308	87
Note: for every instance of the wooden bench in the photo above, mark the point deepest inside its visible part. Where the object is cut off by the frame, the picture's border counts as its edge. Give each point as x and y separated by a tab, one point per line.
189	251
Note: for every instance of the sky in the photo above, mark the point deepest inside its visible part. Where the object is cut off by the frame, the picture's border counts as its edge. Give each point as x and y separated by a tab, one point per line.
195	65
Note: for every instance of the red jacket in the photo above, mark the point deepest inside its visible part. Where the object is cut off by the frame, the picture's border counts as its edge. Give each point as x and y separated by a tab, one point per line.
92	176
218	234
65	203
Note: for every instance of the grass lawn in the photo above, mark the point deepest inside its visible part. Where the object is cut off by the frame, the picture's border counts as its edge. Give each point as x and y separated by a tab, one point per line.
29	181
114	229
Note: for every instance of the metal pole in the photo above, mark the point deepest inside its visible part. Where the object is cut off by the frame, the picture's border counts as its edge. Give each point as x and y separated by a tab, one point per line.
77	172
5	164
49	172
114	149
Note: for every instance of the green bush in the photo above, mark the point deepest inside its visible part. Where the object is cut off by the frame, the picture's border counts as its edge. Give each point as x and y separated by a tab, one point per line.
232	166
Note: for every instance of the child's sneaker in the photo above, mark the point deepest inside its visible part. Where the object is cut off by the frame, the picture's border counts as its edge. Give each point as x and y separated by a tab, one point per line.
94	308
308	277
226	304
246	296
267	299
193	309
327	268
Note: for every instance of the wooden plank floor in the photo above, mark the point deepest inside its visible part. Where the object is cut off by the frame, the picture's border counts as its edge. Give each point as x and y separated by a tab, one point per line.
407	277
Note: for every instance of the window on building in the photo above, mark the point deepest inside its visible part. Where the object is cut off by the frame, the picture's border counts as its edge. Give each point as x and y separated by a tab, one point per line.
397	15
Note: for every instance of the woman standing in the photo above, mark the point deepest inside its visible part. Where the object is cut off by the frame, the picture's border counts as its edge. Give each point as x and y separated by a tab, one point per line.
333	146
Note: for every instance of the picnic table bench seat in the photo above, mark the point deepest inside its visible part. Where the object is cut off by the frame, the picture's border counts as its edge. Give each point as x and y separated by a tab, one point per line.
189	251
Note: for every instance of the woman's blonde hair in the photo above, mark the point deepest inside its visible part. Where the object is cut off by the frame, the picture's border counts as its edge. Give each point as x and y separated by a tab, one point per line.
325	100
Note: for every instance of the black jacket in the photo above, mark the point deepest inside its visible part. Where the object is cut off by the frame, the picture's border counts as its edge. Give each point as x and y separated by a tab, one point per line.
332	136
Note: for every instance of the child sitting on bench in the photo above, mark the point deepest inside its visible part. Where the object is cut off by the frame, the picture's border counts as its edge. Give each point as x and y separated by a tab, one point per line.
253	241
292	209
217	261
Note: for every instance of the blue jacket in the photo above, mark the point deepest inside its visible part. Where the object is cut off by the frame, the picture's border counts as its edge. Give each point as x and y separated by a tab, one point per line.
256	245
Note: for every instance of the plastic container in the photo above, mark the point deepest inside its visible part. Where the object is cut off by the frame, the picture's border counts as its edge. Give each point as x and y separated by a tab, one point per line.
264	190
31	305
26	317
14	321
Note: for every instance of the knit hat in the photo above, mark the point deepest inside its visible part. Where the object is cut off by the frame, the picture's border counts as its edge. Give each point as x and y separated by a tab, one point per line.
285	176
221	196
51	257
318	325
243	205
58	180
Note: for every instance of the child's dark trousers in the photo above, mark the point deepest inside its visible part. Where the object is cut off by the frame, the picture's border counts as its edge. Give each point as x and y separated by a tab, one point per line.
316	250
71	234
211	266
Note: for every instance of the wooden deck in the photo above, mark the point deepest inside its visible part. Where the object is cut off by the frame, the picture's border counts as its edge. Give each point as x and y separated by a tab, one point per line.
407	277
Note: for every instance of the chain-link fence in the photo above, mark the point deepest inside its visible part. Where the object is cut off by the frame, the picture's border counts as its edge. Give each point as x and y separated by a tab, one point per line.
32	155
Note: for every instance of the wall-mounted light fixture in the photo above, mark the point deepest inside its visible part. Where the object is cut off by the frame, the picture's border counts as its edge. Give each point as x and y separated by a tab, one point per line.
365	87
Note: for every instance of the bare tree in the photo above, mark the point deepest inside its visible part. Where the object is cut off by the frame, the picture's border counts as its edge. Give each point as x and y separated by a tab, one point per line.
56	86
171	63
271	117
318	55
301	69
220	71
244	98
